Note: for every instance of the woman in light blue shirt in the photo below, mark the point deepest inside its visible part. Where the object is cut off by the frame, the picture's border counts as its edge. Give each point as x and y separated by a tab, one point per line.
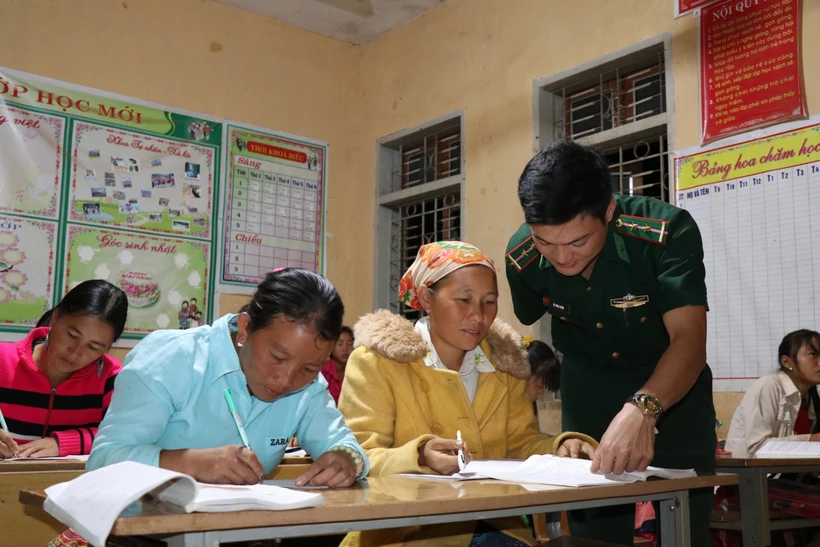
169	409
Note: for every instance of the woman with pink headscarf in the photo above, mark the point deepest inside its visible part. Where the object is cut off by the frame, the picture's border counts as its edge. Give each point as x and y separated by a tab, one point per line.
410	387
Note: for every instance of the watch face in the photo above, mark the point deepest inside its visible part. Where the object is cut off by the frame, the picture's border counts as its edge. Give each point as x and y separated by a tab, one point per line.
652	404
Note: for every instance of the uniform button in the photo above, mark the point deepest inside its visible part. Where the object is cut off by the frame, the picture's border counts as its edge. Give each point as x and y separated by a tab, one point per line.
437	429
425	387
563	319
599	326
643	319
589	288
616	355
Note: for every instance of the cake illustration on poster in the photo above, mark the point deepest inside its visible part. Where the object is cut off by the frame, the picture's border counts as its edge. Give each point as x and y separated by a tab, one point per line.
165	279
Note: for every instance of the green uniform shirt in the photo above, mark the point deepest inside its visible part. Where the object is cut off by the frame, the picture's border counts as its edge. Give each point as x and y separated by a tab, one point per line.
610	327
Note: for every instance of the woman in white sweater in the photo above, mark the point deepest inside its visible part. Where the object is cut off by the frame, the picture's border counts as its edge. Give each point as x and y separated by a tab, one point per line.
783	405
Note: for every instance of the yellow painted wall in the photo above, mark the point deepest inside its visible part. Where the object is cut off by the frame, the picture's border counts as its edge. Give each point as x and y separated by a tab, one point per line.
483	55
211	58
477	55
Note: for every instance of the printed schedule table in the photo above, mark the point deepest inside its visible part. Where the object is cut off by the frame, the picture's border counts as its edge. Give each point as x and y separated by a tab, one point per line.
761	241
274	219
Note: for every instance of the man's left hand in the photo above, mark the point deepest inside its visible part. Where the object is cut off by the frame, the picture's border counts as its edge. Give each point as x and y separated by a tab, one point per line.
628	443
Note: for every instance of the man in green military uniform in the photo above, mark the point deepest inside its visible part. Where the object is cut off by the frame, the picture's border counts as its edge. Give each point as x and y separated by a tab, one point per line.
623	279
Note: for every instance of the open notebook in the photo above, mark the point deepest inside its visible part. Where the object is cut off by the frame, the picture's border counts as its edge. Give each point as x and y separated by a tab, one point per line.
80	458
774	448
548	469
90	504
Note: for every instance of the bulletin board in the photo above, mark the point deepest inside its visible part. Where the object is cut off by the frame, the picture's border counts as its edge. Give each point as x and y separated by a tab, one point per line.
756	203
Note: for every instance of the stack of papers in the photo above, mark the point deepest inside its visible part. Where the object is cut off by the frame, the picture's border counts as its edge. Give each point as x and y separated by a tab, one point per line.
548	469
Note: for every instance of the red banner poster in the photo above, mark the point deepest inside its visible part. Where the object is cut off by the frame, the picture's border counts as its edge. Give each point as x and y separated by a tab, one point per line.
683	7
750	66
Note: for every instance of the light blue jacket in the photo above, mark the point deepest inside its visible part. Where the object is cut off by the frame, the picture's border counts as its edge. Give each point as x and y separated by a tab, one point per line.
169	396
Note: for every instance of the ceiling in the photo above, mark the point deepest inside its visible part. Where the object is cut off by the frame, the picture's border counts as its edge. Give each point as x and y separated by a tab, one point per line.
350	21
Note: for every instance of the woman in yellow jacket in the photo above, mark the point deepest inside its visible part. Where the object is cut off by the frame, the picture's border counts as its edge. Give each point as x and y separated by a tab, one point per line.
408	389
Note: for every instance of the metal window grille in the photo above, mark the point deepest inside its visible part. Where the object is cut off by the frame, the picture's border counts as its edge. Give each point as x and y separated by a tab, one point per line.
433	157
612	98
640	168
415	224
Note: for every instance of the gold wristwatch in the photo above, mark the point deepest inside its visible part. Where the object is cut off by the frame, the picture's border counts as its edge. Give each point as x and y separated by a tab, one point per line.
648	404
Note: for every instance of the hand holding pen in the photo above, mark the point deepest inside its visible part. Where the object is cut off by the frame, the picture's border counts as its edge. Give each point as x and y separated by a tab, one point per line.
444	456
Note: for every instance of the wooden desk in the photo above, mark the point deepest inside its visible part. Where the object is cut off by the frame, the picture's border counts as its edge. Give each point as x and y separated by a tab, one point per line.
390	502
755	521
34	464
27	525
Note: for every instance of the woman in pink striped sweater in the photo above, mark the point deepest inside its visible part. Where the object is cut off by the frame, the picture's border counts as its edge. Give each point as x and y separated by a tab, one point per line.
56	383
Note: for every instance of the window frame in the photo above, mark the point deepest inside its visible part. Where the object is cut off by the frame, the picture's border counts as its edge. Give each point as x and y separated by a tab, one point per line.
389	199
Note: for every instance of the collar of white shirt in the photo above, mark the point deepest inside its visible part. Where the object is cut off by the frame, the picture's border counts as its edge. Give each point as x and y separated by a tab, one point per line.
474	359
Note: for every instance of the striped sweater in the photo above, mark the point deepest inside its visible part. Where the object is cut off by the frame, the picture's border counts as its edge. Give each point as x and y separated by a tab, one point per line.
70	412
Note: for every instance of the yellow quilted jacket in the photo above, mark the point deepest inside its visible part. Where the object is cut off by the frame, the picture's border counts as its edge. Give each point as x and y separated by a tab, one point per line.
394	403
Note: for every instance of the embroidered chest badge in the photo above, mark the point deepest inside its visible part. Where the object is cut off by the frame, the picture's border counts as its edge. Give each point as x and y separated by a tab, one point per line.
629	301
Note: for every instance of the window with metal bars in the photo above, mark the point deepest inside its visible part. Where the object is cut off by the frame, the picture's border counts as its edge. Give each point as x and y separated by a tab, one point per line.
420	188
640	168
609	98
416	224
617	104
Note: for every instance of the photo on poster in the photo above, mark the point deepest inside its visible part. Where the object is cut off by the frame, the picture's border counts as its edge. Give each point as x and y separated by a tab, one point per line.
119	163
191	190
156	162
181	225
155	217
200	221
192	210
110	182
192	170
145	193
164	202
131	220
127	182
90	174
118	195
91	209
133	165
98	193
93	153
174	212
128	208
163	180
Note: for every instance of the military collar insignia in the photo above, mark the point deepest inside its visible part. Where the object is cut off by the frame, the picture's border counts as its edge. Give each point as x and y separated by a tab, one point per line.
647	229
522	255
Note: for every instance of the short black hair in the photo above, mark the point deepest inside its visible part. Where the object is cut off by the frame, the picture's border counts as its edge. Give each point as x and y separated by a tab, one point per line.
300	296
348	330
96	297
563	181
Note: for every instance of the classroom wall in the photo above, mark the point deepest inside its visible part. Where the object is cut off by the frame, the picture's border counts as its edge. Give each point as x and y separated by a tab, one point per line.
483	55
215	59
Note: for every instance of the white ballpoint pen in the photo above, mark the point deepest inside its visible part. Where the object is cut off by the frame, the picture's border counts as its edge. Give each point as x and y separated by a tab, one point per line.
462	464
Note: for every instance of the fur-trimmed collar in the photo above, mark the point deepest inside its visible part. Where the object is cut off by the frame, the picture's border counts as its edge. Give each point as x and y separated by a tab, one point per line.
394	337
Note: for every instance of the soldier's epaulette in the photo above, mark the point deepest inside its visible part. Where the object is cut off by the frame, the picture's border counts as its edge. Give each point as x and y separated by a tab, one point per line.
647	229
523	254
